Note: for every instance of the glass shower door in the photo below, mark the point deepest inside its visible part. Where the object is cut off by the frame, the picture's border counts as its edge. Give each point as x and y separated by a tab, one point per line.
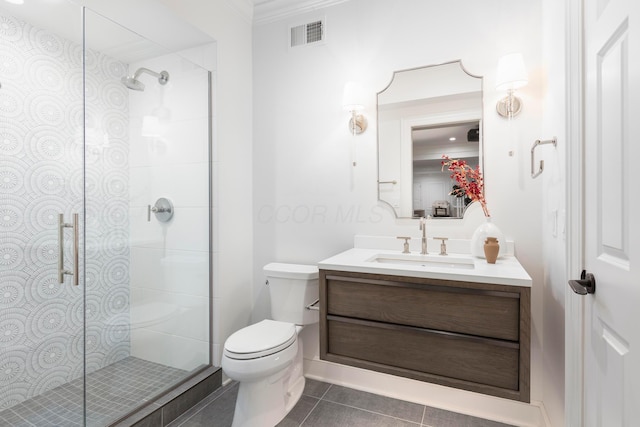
105	214
41	213
147	218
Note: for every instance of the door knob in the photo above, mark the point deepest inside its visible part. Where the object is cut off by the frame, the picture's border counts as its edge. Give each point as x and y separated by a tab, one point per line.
586	284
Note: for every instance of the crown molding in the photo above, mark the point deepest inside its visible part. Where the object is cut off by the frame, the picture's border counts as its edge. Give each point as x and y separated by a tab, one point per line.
244	7
267	11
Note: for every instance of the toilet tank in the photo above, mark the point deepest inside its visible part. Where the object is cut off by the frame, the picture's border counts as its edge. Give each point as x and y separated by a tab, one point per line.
292	287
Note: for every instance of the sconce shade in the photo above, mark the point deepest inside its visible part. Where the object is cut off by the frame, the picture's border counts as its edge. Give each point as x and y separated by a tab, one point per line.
510	76
511	73
353	97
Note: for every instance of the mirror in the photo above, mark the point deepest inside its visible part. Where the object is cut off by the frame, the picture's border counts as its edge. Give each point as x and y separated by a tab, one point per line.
422	114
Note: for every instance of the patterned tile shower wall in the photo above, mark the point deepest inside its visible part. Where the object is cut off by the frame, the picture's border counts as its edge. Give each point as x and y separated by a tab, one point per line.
41	175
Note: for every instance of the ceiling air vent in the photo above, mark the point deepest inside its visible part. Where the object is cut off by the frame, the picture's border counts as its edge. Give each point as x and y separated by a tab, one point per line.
305	34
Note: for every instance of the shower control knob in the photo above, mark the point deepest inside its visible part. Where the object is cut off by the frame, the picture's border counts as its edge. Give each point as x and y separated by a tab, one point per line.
163	210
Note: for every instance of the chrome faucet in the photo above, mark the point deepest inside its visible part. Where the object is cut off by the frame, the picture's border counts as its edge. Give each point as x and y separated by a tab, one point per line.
423	228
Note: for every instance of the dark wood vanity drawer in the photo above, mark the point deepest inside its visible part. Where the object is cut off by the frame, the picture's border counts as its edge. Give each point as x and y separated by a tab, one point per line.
480	312
410	351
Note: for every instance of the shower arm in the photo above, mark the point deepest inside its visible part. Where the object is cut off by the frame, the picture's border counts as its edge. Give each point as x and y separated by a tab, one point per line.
145	70
163	76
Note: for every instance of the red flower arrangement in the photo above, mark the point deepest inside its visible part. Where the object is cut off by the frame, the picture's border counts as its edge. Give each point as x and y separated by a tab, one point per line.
470	181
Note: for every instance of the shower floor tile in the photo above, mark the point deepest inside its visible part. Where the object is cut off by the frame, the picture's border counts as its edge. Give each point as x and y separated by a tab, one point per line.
111	392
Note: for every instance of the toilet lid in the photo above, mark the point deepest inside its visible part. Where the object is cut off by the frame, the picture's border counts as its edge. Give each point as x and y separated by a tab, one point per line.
260	339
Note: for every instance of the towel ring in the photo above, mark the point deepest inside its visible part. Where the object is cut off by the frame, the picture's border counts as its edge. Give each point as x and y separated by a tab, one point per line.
537	143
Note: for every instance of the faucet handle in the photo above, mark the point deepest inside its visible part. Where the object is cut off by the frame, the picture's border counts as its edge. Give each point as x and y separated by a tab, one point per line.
443	245
405	247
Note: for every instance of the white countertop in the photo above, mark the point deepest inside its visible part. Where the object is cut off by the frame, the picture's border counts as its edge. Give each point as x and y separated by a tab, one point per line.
506	271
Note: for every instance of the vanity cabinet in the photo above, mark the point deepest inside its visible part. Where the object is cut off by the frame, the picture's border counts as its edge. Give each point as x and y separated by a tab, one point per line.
472	336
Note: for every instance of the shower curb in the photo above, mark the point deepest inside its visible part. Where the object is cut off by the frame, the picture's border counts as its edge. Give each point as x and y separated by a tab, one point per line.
171	405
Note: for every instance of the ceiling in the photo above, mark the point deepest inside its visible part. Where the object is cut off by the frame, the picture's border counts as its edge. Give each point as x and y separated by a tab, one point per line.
63	18
265	11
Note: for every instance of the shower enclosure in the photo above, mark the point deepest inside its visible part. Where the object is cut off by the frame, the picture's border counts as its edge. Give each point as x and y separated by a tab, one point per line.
104	216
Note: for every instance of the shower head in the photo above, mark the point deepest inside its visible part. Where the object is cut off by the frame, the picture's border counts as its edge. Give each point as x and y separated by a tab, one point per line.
133	83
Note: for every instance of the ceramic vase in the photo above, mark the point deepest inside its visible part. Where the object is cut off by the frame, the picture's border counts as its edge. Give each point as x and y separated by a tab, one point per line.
484	230
491	248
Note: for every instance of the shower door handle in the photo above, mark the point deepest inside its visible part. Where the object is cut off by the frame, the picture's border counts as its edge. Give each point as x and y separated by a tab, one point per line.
61	270
76	240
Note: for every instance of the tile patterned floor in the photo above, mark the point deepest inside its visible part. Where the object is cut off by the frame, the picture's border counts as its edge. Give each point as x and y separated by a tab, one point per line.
111	392
326	405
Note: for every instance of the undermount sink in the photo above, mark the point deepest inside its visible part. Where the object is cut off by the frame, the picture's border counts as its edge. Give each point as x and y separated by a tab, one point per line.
439	261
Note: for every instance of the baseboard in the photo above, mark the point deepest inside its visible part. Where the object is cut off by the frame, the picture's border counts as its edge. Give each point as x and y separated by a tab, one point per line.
475	404
543	412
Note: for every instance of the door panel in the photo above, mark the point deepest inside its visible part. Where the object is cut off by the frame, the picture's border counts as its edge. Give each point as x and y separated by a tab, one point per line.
612	96
613	82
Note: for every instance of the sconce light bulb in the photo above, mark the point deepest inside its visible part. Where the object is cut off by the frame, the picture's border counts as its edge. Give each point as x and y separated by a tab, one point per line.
509	106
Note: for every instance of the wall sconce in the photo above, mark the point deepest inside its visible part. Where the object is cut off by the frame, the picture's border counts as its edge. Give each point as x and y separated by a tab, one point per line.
511	75
353	101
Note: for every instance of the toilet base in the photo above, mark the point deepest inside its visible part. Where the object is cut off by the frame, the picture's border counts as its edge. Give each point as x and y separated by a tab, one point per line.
264	403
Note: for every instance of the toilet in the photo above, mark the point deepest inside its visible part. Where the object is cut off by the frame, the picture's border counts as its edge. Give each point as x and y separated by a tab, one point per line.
266	357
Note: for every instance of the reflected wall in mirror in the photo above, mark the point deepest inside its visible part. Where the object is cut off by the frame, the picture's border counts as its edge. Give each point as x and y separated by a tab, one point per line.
422	114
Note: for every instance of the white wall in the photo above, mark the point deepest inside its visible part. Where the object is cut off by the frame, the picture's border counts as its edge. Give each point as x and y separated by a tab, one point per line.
309	201
553	181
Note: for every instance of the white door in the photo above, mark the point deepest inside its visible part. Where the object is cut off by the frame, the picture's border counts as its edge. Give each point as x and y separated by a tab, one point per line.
612	213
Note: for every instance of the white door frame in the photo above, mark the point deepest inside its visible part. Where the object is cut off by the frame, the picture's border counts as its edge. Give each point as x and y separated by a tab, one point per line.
574	304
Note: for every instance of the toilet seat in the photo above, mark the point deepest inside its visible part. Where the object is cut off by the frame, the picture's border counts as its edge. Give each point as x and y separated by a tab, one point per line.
260	339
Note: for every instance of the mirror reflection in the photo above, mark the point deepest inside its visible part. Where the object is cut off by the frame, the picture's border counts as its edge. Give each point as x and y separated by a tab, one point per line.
422	114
